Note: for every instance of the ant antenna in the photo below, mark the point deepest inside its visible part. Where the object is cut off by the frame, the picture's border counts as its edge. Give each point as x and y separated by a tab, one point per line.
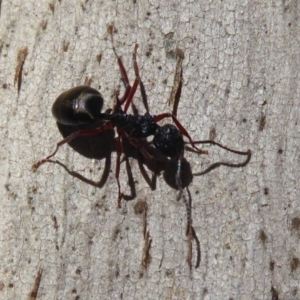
221	146
217	164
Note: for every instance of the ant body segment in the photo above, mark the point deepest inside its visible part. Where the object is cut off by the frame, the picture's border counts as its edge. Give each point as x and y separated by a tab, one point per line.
82	105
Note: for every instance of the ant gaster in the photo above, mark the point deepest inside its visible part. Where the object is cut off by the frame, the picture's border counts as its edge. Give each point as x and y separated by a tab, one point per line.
82	105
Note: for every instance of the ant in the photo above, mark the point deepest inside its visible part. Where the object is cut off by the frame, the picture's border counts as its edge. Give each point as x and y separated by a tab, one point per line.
82	106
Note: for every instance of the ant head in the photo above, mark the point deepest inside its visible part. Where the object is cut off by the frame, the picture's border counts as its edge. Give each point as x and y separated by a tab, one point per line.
79	105
169	141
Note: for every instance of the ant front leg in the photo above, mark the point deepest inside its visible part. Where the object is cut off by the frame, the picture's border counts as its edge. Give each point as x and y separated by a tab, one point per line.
71	137
180	128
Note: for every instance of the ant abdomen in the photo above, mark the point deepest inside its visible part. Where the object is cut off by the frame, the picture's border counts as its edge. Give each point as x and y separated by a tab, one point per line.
77	106
168	140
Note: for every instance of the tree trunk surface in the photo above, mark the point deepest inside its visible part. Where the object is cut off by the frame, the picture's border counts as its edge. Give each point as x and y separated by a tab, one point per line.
63	237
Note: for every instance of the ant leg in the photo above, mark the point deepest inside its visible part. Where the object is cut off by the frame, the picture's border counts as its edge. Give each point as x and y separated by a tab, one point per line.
135	65
131	94
181	195
128	88
131	183
129	91
181	129
177	82
137	75
122	68
150	181
121	195
144	153
190	231
118	163
178	177
191	234
98	184
71	137
194	236
140	147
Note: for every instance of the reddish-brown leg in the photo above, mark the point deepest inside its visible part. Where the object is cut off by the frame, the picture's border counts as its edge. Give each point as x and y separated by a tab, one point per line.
71	137
129	91
131	94
127	99
125	81
122	70
135	65
141	148
137	75
118	163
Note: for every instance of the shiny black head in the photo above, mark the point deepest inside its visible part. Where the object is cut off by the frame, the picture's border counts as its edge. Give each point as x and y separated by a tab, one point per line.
79	105
168	140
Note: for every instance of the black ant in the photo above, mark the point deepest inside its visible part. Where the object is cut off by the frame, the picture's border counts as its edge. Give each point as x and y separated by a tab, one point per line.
82	105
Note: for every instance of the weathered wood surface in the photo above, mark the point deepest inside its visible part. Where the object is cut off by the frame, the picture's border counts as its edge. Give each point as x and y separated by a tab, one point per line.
64	239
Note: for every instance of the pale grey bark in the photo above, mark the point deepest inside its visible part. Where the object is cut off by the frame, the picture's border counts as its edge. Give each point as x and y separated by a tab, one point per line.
241	80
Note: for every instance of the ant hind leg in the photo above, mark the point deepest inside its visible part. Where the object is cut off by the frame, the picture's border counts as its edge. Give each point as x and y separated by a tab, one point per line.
70	138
